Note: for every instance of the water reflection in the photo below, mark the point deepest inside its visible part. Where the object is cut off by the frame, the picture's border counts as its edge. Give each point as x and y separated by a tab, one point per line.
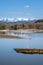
28	35
9	57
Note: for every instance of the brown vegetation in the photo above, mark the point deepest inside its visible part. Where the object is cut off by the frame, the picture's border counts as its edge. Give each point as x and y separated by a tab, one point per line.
14	26
29	51
9	36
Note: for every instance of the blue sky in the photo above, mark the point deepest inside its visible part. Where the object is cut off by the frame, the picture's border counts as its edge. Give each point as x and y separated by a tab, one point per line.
21	8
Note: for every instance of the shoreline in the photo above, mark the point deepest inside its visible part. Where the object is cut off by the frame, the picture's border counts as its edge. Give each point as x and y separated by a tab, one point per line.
23	31
9	36
10	33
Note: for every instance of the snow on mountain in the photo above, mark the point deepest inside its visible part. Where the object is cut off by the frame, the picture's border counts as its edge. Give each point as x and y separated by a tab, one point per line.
1	19
25	19
10	19
20	20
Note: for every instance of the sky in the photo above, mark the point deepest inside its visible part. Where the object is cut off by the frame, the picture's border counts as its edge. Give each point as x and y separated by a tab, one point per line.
21	9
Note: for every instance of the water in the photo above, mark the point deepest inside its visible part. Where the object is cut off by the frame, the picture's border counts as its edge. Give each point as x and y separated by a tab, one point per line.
10	57
28	35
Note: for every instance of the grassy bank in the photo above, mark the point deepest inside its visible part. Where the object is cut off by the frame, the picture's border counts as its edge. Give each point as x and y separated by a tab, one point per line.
27	31
9	36
35	30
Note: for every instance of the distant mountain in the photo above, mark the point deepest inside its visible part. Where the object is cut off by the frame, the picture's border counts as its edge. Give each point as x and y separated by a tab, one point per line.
18	20
29	21
39	21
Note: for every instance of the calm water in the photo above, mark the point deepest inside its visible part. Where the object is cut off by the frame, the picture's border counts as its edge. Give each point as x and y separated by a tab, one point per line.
10	57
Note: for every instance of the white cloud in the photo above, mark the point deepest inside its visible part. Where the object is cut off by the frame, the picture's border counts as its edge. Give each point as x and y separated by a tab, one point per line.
27	6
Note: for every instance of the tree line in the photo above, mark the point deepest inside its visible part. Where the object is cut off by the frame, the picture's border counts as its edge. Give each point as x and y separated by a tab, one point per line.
36	25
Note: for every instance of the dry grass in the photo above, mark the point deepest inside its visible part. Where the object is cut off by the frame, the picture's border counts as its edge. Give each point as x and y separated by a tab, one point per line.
29	51
9	36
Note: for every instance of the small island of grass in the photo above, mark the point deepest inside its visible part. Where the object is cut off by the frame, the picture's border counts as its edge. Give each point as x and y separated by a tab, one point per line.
29	51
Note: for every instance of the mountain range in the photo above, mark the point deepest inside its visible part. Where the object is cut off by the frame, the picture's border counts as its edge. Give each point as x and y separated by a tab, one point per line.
17	20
